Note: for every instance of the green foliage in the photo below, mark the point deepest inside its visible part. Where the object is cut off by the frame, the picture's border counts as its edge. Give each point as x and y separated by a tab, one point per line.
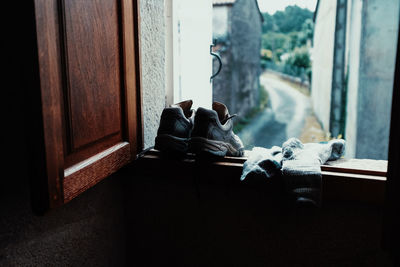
306	33
290	20
293	37
288	33
298	63
300	58
263	94
269	24
266	54
308	28
274	40
278	53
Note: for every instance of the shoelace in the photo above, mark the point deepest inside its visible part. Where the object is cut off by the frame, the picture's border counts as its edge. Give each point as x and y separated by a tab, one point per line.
226	119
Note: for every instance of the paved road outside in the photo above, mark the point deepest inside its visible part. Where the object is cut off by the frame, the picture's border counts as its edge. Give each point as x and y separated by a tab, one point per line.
283	118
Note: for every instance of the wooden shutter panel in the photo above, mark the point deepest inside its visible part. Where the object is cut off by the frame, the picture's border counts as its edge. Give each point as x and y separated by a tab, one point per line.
89	84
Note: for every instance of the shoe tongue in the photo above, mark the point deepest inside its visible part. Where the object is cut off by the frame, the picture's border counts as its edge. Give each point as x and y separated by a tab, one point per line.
185	106
221	110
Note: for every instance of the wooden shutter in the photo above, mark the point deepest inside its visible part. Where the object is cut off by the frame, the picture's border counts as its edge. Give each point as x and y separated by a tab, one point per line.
89	84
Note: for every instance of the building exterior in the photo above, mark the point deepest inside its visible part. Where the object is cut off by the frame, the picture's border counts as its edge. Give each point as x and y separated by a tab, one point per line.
237	34
187	42
353	67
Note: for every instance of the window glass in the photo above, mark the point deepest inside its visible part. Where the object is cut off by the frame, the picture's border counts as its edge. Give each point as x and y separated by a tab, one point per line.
314	71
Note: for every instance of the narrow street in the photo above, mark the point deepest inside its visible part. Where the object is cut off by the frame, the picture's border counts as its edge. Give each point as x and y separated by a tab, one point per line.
283	118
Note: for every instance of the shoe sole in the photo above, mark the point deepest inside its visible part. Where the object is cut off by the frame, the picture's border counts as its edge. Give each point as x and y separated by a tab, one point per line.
199	145
172	144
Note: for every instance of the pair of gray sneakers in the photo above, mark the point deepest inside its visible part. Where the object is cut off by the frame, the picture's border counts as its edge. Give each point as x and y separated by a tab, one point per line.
207	131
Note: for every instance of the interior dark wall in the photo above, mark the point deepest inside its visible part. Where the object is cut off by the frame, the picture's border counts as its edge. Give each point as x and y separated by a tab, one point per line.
183	221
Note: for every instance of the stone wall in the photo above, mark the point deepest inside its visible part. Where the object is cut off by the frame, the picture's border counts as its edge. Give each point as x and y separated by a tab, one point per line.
153	66
371	73
238	83
370	58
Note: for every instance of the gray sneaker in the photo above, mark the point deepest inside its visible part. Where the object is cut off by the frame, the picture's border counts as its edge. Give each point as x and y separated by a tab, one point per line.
176	125
212	132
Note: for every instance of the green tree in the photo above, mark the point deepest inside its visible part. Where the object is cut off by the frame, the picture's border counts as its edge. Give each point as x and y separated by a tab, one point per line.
273	40
276	42
294	38
308	28
268	24
300	58
291	19
306	33
287	32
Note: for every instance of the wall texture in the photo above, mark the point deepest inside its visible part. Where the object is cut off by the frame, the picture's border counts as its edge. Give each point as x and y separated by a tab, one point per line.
153	66
370	58
379	30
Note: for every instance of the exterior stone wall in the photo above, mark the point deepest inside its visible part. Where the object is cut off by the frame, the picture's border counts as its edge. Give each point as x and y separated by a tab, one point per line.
238	83
370	58
369	106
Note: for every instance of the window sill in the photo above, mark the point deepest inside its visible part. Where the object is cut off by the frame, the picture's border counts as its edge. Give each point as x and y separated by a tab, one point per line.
359	180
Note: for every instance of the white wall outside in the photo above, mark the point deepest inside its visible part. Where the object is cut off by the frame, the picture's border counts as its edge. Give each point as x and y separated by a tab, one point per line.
322	65
353	51
192	62
374	74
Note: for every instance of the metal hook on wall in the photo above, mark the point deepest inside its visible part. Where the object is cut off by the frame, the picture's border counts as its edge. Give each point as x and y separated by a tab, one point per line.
219	61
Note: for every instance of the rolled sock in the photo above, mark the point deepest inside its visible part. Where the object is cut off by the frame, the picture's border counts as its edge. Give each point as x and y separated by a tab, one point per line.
263	161
301	167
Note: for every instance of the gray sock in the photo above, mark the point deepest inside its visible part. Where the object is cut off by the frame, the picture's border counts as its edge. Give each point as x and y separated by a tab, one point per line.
263	161
301	167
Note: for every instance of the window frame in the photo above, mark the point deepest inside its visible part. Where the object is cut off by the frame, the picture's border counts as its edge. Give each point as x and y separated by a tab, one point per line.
348	183
339	183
